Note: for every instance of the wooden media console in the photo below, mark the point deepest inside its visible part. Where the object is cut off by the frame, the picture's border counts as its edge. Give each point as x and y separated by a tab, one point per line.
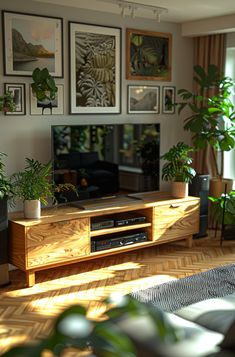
64	235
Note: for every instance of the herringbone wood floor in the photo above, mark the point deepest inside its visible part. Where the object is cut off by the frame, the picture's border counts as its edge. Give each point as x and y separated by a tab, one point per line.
28	313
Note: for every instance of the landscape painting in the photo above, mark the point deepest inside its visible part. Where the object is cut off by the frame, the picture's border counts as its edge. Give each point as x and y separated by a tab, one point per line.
143	99
95	69
32	41
148	55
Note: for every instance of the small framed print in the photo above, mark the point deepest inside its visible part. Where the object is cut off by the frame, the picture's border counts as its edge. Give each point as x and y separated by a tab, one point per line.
18	93
168	100
143	99
46	107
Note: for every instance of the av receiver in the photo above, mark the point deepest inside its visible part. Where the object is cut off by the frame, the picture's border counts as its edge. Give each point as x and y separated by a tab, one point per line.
121	241
119	221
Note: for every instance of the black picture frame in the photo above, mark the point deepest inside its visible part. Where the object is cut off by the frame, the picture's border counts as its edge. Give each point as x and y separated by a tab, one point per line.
95	69
18	93
168	100
143	99
40	45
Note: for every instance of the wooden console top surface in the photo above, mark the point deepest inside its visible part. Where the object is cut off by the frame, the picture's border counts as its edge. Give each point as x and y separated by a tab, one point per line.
98	207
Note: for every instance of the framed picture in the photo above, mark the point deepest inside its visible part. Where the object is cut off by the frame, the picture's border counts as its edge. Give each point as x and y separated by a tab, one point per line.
168	100
18	93
148	55
45	107
32	41
143	99
95	69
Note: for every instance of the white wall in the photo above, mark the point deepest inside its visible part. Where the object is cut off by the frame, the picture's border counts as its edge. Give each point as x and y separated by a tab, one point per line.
29	136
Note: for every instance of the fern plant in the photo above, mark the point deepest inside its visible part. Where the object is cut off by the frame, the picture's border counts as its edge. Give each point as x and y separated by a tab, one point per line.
35	182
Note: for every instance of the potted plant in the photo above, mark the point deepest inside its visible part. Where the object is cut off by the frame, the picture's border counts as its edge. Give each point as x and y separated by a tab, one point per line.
212	117
223	213
177	168
6	191
7	103
35	186
44	88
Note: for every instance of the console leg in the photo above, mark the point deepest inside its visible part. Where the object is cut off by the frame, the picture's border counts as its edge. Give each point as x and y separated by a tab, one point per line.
189	241
30	278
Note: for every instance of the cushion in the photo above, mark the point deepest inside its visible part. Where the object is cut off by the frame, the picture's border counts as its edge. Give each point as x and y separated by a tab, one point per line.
215	314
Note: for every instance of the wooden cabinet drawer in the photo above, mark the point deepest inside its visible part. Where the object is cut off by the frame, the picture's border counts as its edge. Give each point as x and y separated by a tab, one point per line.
57	242
175	220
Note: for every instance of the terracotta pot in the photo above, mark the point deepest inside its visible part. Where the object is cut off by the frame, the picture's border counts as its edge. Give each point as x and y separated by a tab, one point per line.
179	189
32	209
217	186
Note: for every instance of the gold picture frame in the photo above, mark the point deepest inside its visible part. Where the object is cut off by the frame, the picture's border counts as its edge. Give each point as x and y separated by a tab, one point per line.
149	55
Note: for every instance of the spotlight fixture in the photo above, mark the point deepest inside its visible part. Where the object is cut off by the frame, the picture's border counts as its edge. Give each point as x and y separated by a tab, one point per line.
130	8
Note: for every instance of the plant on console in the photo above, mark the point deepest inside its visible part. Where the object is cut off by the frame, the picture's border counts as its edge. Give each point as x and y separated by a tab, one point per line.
178	168
34	183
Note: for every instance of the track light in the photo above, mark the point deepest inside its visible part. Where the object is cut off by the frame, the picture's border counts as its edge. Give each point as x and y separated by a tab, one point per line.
131	8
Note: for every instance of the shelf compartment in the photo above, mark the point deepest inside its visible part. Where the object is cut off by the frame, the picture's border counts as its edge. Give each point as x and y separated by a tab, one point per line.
101	232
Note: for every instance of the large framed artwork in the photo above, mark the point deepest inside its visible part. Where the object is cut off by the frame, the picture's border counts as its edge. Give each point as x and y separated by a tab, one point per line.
168	100
32	41
18	93
148	55
143	99
95	69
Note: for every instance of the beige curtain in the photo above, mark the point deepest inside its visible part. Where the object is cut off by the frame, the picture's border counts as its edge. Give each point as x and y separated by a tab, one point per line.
208	50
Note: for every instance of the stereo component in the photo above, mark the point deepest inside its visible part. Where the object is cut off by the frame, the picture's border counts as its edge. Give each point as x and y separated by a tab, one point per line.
128	221
101	223
115	242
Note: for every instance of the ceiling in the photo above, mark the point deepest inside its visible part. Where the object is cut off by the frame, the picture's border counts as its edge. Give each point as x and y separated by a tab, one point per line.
179	11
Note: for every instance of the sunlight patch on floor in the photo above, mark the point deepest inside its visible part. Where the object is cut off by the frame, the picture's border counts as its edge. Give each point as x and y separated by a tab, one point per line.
75	279
50	306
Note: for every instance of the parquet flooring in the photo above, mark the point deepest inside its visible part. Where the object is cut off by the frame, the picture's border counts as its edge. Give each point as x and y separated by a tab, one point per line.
28	313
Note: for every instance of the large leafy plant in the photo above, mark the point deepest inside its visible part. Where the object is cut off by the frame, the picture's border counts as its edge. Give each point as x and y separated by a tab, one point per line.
6	189
177	168
212	117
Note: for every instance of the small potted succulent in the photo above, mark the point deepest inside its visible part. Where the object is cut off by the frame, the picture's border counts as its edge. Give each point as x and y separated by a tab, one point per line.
34	186
178	168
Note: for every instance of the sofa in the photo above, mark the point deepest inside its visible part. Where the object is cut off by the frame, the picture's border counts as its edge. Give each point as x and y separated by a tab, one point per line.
206	329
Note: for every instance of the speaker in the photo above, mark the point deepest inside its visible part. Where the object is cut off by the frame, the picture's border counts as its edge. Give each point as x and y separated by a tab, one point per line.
200	188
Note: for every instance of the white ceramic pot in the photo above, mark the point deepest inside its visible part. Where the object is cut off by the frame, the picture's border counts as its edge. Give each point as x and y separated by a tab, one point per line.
32	209
179	189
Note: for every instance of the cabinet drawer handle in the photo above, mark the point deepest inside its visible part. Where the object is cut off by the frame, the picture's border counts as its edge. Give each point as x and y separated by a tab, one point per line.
174	205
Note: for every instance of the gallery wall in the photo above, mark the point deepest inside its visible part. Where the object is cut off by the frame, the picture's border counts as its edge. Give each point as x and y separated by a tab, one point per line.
29	135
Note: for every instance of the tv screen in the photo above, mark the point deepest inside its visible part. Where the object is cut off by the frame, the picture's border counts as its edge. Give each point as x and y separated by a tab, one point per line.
103	160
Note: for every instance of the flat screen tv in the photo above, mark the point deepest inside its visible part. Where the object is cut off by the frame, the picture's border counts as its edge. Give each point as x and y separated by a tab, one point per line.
106	160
